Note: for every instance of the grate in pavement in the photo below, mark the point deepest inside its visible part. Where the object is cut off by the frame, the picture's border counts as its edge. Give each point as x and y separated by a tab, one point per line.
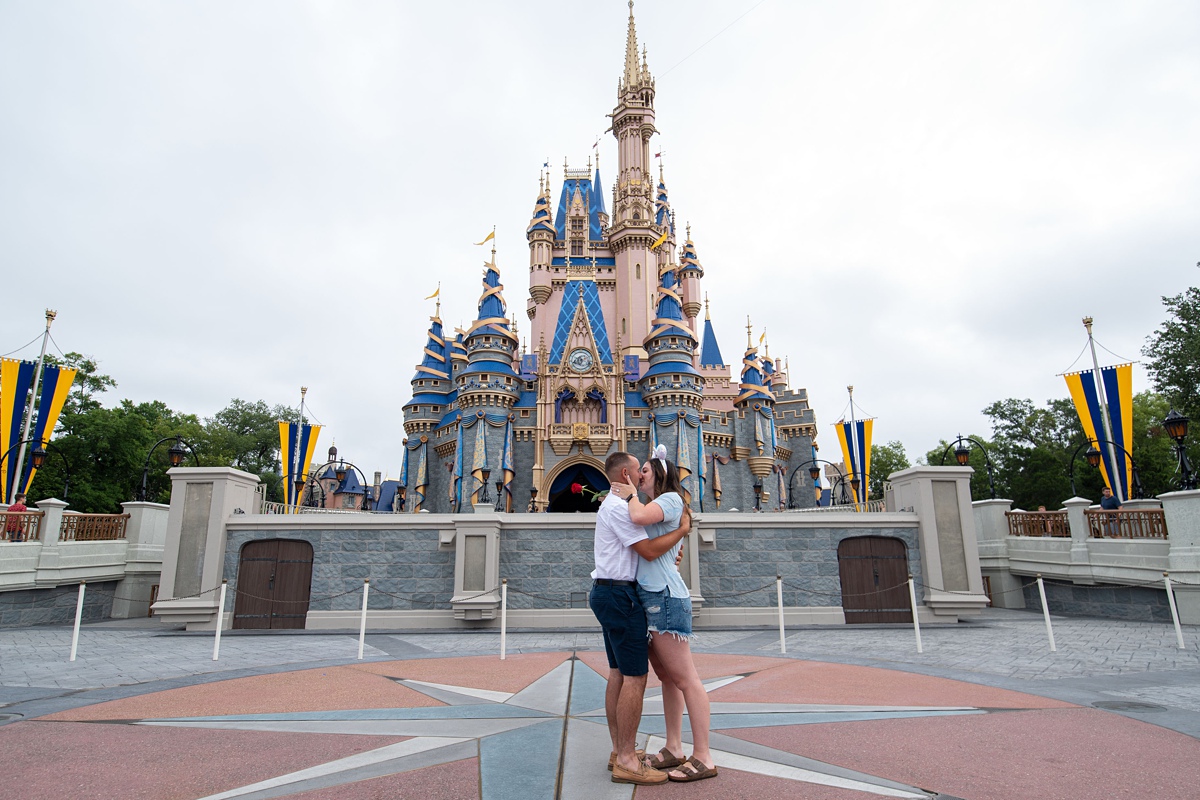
1127	705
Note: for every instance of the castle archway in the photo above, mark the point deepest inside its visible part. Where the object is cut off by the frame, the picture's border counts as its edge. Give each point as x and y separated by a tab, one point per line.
563	500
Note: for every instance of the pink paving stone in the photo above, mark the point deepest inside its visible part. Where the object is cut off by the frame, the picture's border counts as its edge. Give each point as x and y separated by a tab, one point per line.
1051	754
327	689
479	672
708	665
455	781
733	785
56	760
814	682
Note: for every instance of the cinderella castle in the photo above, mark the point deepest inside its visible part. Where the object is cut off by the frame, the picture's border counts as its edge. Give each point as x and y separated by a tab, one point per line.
620	361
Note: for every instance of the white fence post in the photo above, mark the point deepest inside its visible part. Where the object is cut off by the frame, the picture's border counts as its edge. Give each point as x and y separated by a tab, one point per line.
220	621
1046	614
912	599
362	623
779	596
79	617
1174	611
503	616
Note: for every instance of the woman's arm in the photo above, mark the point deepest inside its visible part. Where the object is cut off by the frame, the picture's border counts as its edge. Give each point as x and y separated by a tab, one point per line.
644	513
651	549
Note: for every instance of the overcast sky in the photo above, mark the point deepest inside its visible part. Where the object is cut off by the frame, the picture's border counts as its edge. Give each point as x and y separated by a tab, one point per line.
922	199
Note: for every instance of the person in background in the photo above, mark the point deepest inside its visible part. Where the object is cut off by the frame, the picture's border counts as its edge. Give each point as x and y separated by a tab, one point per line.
13	528
1109	502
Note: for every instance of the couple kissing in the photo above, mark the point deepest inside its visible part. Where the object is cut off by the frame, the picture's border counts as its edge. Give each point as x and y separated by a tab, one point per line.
645	611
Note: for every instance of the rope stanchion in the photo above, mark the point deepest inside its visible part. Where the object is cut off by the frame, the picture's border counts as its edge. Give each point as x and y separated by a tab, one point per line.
912	599
362	622
503	616
220	621
1046	614
78	619
1174	611
779	598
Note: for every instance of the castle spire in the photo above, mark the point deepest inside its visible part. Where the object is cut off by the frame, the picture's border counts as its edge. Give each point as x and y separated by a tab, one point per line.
632	70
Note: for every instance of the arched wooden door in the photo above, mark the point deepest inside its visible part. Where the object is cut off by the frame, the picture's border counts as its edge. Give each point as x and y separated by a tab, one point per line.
874	572
274	584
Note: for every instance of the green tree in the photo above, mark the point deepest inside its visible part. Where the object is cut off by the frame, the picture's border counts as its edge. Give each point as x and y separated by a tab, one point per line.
886	459
1173	353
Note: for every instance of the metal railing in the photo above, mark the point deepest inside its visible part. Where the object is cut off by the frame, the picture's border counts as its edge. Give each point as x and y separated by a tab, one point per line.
93	527
21	526
1038	523
281	508
1142	523
872	506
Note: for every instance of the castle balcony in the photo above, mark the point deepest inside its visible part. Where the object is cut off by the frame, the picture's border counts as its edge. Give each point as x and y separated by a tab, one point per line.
598	436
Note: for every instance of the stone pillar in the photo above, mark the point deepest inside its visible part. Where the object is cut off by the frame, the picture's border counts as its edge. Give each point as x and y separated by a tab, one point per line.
941	497
1079	567
1182	513
145	536
477	566
991	527
52	515
202	499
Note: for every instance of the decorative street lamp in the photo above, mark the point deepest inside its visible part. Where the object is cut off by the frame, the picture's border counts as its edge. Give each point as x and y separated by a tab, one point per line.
814	472
1177	428
1093	456
400	492
485	473
758	490
962	454
533	500
499	494
175	456
37	457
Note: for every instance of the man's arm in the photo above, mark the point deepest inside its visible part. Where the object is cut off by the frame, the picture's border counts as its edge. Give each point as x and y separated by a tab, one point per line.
651	549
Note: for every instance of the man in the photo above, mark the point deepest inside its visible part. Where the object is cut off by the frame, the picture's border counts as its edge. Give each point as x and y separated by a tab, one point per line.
13	527
614	601
1109	502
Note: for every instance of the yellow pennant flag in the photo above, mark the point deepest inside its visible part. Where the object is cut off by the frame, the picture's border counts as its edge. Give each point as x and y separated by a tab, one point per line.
491	235
762	338
435	294
660	239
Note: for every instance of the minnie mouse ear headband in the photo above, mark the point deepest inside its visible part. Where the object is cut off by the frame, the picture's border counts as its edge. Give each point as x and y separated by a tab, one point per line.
660	455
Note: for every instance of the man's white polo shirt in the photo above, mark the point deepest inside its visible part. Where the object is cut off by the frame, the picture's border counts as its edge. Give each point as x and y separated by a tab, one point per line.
615	533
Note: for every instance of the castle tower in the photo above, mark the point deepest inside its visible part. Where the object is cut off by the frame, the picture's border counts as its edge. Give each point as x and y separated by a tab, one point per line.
633	228
540	234
488	378
690	273
754	432
432	384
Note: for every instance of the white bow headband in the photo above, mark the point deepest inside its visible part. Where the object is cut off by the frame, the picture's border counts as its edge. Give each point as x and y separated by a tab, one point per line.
660	454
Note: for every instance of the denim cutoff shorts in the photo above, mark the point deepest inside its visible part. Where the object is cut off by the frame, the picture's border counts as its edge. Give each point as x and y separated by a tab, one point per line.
666	614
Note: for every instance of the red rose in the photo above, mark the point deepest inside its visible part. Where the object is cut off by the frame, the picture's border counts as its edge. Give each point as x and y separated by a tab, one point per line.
576	488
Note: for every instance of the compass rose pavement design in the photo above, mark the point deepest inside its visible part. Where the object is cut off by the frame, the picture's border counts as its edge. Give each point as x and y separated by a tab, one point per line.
533	728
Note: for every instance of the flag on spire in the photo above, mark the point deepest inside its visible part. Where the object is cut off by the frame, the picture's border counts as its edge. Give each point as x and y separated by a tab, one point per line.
487	238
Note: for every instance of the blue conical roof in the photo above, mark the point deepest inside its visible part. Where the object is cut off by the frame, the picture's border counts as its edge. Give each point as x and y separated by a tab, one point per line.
710	352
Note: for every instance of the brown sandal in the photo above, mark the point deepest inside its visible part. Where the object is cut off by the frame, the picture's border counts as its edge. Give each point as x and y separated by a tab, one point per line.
664	760
694	770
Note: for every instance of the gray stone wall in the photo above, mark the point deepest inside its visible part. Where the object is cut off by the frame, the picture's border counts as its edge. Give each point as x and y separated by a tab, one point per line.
747	559
1135	603
544	566
406	568
56	606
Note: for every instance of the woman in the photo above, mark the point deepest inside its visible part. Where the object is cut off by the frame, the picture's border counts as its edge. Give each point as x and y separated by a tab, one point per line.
668	606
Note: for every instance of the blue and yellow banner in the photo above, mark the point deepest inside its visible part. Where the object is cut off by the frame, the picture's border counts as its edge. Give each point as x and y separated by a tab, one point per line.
1118	391
857	458
16	381
294	439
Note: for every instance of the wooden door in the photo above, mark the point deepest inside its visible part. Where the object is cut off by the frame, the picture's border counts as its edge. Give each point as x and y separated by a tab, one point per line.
874	572
274	584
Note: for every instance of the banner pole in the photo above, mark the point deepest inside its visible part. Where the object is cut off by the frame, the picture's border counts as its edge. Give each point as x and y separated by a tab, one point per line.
1114	474
912	599
503	616
362	622
1174	611
78	618
37	379
1046	614
220	621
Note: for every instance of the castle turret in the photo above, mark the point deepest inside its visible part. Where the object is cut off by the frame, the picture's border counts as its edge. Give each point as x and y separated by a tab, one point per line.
488	379
672	378
540	234
432	384
690	273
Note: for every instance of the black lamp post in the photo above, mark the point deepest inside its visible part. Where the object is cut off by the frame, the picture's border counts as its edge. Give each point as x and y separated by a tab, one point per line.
400	491
499	494
814	472
533	499
1093	457
485	473
962	454
758	490
37	457
1177	428
175	456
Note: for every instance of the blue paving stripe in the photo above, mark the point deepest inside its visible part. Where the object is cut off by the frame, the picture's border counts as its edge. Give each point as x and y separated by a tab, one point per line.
654	723
489	711
587	689
522	764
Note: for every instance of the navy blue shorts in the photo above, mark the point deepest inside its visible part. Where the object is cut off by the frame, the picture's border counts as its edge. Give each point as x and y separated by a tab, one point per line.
623	621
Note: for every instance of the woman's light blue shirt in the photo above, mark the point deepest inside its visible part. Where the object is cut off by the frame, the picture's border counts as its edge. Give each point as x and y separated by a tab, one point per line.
661	573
